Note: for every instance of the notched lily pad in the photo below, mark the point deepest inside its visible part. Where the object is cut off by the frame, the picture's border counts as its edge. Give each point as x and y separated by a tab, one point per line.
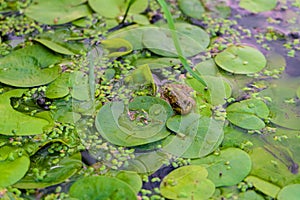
188	182
114	123
241	59
13	122
248	114
101	187
29	67
228	168
14	163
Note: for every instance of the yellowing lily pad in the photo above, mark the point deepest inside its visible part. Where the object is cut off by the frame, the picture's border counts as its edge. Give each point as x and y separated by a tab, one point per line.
228	168
29	67
101	187
258	5
58	11
241	59
13	122
248	114
14	163
114	123
192	39
188	182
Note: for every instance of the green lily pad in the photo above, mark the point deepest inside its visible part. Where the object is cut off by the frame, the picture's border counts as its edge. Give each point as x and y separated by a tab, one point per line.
188	182
61	41
192	39
13	122
132	179
14	163
53	173
241	59
228	168
117	47
290	192
216	92
29	67
248	114
258	5
114	124
263	186
101	187
58	11
115	8
158	63
196	136
75	83
192	8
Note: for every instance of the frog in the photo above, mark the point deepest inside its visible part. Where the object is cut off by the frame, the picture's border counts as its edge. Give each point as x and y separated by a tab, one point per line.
179	96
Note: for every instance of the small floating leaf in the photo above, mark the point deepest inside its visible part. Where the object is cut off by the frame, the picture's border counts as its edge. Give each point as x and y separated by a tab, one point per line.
241	59
290	192
188	182
258	5
114	124
132	179
228	168
13	122
58	11
14	163
101	187
263	186
29	67
248	114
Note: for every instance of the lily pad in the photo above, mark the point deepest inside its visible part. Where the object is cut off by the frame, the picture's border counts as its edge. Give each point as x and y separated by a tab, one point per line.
188	182
192	8
158	63
115	8
196	136
192	39
248	114
263	186
75	83
241	59
13	122
58	11
290	192
228	168
132	179
53	173
117	47
29	67
14	163
114	124
101	187
258	5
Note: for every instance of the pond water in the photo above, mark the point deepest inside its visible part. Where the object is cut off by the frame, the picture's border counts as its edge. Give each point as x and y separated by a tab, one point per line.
94	107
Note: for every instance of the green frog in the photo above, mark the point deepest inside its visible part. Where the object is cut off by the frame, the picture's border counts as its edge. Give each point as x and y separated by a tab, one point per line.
179	97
